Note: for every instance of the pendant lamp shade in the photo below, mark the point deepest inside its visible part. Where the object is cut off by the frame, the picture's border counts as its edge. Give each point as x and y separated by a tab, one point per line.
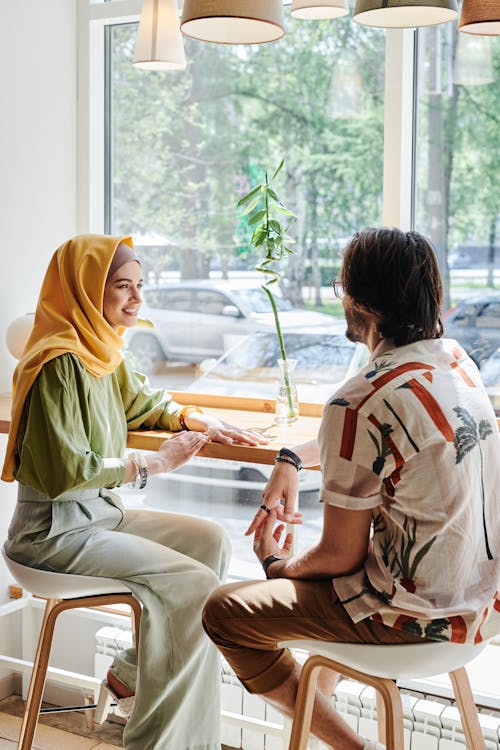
401	14
480	17
159	40
233	21
318	9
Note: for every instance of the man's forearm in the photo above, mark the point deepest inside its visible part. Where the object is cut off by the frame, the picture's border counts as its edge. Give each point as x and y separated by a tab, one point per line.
308	453
311	565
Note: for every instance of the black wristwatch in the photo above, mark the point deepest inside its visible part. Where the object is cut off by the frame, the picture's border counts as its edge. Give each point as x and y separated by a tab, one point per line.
269	561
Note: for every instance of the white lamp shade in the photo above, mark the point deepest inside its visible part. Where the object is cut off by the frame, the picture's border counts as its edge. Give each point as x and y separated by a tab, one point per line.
159	40
18	333
318	9
233	21
480	17
403	14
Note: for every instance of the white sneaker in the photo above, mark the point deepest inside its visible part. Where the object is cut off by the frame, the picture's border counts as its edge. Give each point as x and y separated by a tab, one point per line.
373	745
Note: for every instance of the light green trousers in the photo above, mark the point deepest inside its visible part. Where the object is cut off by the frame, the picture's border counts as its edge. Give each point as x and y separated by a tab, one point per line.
171	563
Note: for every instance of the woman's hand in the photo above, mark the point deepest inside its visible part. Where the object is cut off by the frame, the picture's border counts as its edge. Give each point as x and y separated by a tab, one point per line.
221	432
283	485
267	539
177	450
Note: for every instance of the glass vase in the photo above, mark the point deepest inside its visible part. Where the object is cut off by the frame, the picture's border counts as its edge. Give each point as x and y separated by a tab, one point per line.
287	399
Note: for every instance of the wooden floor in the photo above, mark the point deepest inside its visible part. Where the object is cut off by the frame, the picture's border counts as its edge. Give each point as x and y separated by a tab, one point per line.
59	731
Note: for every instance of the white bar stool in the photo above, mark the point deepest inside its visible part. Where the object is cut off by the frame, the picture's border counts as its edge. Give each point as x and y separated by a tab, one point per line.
62	591
379	667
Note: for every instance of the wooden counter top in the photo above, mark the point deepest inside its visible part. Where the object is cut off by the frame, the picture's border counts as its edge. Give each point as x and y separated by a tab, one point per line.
246	413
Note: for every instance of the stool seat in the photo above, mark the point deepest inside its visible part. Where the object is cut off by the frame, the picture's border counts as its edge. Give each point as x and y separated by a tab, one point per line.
63	592
54	585
380	666
401	661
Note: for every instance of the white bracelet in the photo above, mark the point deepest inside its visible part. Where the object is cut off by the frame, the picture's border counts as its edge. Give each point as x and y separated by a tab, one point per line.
141	476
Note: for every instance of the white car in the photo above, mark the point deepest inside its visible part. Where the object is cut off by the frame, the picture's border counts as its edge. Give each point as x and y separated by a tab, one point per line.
195	320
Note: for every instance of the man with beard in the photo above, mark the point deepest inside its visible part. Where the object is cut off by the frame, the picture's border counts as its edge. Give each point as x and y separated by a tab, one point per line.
408	450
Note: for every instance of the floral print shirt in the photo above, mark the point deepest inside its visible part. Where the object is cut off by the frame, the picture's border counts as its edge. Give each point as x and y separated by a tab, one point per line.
413	436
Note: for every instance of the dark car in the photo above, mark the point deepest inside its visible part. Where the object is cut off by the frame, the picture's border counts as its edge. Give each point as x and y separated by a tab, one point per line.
475	324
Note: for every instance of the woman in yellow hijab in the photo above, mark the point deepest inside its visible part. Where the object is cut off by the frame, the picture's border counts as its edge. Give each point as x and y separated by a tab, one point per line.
74	398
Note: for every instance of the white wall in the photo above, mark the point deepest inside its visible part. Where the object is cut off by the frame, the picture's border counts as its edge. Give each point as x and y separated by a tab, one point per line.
38	201
38	180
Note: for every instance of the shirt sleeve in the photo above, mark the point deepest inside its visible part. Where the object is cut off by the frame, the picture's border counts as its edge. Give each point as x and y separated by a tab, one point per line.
348	457
145	406
55	451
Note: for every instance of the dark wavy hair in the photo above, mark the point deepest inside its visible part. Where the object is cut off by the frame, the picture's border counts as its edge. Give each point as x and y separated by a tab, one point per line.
395	275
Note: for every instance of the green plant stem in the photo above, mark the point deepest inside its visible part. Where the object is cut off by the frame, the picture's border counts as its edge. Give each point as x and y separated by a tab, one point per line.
282	349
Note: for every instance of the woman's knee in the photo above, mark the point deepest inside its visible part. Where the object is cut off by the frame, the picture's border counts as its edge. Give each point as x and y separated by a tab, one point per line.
218	548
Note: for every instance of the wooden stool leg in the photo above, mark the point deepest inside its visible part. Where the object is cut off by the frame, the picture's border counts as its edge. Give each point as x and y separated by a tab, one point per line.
392	714
380	717
38	676
304	703
468	709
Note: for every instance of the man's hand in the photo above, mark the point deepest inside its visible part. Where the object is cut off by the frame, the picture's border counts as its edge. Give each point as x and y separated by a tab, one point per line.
267	539
283	485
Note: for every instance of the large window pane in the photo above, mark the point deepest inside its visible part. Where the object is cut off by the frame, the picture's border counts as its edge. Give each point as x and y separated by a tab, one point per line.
458	183
184	147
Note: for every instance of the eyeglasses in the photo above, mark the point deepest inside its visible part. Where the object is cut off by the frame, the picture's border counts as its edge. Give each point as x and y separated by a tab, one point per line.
338	288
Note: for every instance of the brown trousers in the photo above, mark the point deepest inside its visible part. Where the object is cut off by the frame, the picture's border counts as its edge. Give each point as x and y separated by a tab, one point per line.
246	621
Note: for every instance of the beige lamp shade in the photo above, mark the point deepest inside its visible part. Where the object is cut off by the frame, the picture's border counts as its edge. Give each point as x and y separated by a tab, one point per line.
402	14
233	21
159	43
480	17
318	9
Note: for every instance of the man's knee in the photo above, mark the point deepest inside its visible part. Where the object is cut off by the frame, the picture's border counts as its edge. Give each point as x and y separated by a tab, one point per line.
216	612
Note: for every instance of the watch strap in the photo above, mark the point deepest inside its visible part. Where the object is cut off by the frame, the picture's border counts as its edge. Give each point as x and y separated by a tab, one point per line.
269	561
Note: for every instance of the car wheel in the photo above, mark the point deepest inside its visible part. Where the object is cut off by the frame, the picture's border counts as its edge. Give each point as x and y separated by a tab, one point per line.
146	353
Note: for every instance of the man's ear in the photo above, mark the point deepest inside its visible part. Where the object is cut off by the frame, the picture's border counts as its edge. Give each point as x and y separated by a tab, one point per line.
367	312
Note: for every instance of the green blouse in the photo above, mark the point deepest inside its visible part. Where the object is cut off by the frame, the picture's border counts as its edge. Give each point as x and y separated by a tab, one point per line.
73	430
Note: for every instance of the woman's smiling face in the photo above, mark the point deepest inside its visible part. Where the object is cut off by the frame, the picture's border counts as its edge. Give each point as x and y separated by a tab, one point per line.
122	296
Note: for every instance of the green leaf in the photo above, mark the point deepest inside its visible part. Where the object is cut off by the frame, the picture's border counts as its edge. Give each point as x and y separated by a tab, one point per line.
282	164
257	217
253	204
282	210
272	194
247	197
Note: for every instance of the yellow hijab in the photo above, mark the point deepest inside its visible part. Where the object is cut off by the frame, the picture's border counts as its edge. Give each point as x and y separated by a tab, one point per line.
68	318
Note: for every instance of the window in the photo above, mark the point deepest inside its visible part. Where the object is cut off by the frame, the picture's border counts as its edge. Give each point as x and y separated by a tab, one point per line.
185	146
458	178
211	303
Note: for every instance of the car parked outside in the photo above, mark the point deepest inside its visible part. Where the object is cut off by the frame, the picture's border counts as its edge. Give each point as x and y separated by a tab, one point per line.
193	320
249	368
475	324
